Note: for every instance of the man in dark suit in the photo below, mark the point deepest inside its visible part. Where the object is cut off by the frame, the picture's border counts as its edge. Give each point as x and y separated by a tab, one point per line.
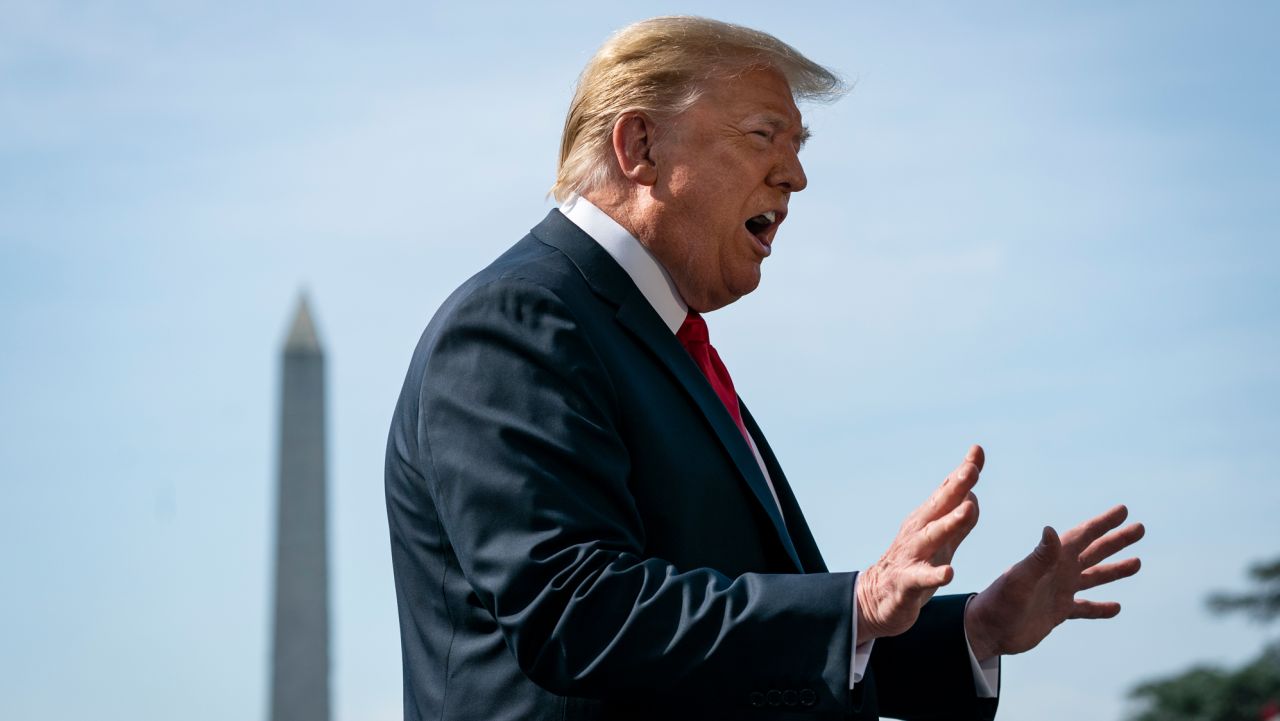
586	521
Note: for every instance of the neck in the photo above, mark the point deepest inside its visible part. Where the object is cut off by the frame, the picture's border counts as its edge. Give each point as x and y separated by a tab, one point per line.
626	209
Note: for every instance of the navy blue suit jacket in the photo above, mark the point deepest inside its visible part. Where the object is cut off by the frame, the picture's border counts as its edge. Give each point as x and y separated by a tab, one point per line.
579	531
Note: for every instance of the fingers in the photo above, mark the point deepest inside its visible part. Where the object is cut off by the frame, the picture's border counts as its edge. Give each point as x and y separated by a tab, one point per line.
976	456
928	578
969	510
954	489
1094	609
939	539
1092	529
1111	544
1099	575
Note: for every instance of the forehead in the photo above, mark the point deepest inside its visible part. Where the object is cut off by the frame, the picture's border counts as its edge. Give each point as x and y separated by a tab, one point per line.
755	92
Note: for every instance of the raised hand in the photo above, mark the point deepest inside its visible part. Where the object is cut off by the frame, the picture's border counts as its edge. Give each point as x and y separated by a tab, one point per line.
1024	604
918	562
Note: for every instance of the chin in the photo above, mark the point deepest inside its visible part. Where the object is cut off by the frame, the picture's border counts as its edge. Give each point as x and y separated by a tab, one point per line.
736	293
748	284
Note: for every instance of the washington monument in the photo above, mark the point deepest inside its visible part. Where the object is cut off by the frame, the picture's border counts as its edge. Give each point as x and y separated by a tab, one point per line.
300	643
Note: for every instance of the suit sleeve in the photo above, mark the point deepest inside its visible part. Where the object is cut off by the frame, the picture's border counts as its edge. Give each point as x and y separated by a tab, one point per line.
925	673
518	424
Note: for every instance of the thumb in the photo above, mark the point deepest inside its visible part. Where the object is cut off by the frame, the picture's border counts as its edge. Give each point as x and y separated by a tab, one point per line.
1047	551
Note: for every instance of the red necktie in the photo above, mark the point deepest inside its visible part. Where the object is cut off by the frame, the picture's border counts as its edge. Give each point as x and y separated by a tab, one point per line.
693	336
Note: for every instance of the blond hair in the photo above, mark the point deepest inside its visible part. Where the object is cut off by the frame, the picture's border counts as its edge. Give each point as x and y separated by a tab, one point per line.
657	66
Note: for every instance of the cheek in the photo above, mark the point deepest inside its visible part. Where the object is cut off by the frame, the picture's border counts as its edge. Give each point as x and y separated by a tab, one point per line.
739	266
680	181
710	179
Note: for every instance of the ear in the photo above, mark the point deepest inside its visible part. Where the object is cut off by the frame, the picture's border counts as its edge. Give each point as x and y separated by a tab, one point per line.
633	136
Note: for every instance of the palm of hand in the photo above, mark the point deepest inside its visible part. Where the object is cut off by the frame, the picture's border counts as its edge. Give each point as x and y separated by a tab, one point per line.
1029	600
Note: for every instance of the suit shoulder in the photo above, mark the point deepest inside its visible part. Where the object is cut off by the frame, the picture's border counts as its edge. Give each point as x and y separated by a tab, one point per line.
525	267
532	292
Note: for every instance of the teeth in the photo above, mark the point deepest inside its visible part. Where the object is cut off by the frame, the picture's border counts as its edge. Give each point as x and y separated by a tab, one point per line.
770	215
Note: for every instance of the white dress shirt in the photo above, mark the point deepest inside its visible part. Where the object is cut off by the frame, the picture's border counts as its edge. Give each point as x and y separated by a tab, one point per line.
656	286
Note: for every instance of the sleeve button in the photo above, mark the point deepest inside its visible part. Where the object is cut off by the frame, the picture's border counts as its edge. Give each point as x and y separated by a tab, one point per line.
756	699
790	697
808	697
774	697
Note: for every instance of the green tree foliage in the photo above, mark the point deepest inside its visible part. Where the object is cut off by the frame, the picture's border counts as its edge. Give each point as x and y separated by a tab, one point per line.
1262	604
1214	694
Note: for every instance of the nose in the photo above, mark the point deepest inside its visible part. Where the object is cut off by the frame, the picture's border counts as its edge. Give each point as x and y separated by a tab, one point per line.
788	174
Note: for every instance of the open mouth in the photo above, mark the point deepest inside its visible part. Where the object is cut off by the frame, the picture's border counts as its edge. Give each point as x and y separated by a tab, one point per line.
760	223
762	227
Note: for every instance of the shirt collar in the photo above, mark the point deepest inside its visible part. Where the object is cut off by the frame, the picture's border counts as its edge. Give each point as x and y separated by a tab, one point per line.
646	272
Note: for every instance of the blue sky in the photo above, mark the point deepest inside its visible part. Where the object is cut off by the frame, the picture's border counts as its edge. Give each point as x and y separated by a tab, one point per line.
1050	230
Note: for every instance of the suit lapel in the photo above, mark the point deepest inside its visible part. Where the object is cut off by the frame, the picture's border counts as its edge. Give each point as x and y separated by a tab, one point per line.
645	324
797	527
635	314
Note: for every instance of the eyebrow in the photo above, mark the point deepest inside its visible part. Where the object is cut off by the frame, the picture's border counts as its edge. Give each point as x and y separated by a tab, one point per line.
780	124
